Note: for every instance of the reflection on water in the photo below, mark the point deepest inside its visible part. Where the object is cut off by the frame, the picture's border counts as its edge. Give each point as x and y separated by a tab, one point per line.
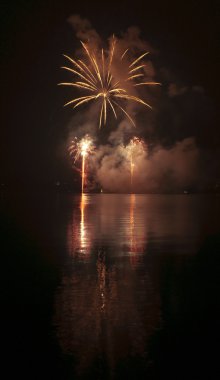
108	305
97	223
78	235
136	234
98	315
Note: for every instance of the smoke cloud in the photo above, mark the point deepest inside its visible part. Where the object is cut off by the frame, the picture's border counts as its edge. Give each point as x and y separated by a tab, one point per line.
84	30
159	170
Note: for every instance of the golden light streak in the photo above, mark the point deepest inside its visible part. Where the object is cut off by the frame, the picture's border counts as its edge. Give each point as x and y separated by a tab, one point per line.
88	98
112	108
109	80
79	100
103	64
98	71
83	172
104	102
130	97
123	55
136	68
78	84
123	110
77	73
147	83
82	221
135	76
83	148
100	119
87	85
98	78
79	66
87	68
88	53
138	59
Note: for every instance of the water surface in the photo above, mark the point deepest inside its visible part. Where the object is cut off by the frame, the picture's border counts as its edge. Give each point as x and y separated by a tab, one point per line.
124	280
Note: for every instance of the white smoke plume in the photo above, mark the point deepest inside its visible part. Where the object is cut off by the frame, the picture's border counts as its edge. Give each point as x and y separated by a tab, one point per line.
157	171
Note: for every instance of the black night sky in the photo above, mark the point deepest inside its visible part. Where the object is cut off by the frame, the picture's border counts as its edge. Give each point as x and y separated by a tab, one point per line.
185	36
120	281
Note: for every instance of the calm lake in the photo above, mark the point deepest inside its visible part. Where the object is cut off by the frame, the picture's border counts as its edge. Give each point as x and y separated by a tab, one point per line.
136	288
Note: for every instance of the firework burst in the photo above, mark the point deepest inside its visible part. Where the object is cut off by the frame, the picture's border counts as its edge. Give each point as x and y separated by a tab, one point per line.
83	148
96	78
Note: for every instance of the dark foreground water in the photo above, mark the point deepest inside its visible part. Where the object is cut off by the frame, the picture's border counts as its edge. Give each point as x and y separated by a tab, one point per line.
111	286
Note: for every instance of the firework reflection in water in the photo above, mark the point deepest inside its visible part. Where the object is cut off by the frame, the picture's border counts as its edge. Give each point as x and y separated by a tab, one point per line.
98	295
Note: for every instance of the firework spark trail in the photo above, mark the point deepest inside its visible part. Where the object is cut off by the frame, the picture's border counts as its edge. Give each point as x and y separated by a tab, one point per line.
83	148
96	77
134	143
82	221
132	172
83	173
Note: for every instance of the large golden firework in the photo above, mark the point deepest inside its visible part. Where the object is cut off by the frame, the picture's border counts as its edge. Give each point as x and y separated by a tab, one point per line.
98	80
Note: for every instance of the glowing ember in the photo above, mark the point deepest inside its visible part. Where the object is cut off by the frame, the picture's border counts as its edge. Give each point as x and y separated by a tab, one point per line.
98	80
83	148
